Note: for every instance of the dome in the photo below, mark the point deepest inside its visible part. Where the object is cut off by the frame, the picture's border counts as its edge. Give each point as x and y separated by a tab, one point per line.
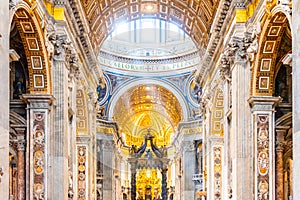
148	46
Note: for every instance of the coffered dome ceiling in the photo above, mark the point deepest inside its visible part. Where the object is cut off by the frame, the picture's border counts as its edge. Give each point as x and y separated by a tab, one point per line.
193	16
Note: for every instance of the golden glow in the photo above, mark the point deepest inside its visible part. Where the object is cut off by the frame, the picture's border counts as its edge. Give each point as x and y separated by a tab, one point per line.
149	7
148	106
148	178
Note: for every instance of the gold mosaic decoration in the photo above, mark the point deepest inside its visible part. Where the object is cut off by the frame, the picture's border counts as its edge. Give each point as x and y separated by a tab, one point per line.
148	178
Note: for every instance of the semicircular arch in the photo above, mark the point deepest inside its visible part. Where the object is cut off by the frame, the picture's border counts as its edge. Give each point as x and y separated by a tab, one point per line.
32	38
132	84
269	45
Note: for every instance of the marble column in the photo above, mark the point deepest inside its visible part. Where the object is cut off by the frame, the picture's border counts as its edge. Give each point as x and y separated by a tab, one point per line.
164	194
226	186
133	181
263	121
279	164
38	132
296	97
108	159
241	158
188	165
21	163
4	100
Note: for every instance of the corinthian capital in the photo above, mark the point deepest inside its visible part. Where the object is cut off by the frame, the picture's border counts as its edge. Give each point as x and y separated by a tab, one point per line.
225	68
61	46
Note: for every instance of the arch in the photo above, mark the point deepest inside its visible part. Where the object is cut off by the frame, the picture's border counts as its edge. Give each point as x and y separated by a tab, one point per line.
16	119
120	91
285	120
32	38
263	73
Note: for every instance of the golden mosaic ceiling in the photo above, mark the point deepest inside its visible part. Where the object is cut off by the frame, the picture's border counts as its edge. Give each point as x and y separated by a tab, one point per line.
193	16
148	106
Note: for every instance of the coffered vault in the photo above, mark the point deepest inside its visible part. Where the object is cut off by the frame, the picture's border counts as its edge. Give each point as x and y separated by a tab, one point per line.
193	16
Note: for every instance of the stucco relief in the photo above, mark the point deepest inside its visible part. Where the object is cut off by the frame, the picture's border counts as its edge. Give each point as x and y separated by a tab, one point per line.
39	192
217	151
263	157
81	172
38	153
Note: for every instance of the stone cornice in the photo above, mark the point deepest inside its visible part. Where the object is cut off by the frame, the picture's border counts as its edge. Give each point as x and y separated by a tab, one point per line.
263	103
83	139
79	24
149	61
218	28
38	101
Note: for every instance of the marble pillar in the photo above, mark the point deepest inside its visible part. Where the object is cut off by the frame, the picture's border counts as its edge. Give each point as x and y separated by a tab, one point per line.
263	121
133	181
188	167
108	159
279	148
279	173
164	194
242	145
226	186
38	132
60	137
4	100
296	97
21	163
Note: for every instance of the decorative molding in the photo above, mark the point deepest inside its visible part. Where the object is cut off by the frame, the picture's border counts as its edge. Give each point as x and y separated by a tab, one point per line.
217	175
188	146
82	174
218	27
263	157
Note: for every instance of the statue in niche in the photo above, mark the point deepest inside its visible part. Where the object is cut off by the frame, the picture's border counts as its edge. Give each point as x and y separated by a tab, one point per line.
101	90
196	91
19	88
